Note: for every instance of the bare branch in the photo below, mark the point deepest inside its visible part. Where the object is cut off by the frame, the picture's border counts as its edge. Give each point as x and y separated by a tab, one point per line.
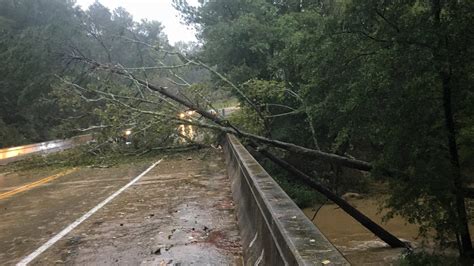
157	67
329	157
283	114
393	25
237	89
170	69
225	126
92	128
178	84
280	105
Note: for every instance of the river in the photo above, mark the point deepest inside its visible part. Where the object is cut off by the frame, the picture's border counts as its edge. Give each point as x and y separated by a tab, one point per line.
359	245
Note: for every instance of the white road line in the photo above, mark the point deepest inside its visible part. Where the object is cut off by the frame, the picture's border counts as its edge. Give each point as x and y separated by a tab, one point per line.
253	240
68	229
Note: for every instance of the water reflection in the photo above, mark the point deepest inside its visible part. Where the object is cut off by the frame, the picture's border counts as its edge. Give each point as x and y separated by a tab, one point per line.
16	151
186	132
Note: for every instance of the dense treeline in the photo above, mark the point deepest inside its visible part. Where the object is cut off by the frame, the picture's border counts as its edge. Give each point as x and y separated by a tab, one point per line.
32	35
38	40
385	81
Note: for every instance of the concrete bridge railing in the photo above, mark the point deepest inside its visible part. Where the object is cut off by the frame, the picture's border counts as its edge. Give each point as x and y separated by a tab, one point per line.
12	154
274	230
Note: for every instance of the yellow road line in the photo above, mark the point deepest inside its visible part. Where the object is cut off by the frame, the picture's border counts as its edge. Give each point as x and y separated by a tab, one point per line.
35	184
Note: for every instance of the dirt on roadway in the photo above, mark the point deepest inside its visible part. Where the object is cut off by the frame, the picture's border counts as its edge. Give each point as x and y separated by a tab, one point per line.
179	213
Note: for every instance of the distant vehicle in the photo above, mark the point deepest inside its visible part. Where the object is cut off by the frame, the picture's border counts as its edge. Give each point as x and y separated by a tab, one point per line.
187	113
213	112
126	136
190	112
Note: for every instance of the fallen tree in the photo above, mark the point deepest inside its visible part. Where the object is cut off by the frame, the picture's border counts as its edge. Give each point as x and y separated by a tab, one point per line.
223	125
373	227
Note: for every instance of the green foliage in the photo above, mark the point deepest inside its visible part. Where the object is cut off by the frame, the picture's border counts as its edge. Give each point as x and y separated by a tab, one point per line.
33	34
422	259
228	102
301	194
365	79
371	79
247	119
37	40
262	92
9	134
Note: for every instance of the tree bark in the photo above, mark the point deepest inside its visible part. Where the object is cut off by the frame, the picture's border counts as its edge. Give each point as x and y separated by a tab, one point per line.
293	148
373	227
466	244
445	73
224	125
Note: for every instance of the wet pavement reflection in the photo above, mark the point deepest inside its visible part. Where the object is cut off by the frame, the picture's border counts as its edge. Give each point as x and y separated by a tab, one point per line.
187	131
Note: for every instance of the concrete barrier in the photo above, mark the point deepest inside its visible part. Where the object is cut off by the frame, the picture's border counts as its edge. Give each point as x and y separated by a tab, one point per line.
274	230
12	154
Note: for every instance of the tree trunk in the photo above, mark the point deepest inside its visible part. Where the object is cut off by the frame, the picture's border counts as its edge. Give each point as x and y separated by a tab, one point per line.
387	237
225	126
466	244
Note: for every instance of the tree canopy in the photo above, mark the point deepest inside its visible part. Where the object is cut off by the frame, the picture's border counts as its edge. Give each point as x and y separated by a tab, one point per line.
335	87
385	81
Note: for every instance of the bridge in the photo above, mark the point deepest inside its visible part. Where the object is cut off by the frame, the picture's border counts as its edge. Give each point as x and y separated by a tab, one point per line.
217	208
13	154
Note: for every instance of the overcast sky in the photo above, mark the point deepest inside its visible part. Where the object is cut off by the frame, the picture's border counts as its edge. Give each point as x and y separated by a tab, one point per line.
161	10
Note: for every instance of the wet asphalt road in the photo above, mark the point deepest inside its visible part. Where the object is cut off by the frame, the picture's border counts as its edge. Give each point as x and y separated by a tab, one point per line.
180	213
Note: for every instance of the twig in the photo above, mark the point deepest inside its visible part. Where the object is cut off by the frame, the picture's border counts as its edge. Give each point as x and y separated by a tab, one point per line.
319	208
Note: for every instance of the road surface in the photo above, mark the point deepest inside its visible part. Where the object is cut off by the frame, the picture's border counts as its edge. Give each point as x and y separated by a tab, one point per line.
180	212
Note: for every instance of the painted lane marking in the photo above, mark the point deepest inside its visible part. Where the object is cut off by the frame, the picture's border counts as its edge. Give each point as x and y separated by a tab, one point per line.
253	240
260	259
70	227
35	184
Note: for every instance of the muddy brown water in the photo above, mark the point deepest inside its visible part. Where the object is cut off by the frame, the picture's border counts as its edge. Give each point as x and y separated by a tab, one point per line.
359	245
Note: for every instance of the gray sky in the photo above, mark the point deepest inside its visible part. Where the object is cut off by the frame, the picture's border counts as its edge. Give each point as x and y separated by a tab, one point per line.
161	10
